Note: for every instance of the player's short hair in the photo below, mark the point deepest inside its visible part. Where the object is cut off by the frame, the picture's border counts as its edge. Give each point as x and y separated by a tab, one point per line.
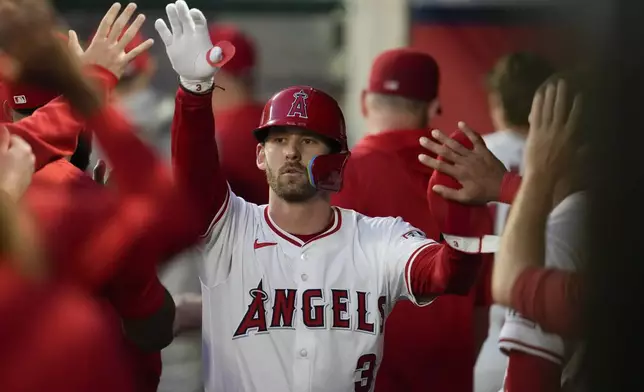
398	103
515	78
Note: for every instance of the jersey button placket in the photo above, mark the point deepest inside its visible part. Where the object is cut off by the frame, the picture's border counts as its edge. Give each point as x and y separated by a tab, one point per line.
304	337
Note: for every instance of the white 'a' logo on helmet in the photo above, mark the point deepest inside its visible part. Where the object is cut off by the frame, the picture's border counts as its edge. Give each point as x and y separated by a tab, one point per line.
299	105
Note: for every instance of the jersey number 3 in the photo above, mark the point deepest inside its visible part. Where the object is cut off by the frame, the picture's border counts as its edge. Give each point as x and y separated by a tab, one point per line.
365	371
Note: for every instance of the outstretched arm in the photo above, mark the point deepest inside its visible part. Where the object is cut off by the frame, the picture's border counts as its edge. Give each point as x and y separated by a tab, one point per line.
194	150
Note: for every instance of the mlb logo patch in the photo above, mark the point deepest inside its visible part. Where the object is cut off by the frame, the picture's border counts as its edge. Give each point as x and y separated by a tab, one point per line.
19	99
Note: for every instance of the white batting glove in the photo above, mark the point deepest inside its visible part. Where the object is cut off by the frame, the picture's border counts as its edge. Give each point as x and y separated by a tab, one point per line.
188	45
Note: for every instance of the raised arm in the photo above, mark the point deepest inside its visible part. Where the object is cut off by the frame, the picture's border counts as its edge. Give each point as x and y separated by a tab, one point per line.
194	149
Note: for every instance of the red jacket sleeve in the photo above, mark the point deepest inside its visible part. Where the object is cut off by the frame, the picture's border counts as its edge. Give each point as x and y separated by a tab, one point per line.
509	187
529	373
550	297
100	229
52	131
194	154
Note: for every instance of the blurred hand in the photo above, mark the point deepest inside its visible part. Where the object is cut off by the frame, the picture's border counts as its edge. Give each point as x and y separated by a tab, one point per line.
16	164
551	146
107	48
33	53
188	45
478	171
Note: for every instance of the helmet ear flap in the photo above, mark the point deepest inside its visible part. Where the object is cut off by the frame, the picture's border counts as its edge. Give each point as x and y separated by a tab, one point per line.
325	171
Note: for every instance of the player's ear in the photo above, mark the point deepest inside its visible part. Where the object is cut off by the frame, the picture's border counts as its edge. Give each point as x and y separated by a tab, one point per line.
260	157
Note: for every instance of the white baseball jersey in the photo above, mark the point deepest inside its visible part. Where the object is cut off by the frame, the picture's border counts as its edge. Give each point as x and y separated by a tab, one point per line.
508	147
280	315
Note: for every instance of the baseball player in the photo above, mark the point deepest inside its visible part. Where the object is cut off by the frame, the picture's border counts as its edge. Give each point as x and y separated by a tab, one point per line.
538	359
296	292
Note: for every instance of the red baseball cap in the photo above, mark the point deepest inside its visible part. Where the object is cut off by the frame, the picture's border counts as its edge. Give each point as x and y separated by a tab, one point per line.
23	96
244	59
405	72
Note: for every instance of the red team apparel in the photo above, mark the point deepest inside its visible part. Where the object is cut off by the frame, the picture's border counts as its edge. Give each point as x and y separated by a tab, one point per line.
281	314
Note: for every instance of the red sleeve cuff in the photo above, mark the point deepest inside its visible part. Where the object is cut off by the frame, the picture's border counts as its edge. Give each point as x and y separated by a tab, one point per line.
550	297
189	98
509	187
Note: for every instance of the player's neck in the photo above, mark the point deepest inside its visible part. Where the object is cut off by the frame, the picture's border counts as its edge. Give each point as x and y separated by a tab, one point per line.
306	218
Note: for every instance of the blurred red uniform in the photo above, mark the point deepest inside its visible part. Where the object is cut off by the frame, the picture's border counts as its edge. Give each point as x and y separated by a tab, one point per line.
54	338
236	121
109	241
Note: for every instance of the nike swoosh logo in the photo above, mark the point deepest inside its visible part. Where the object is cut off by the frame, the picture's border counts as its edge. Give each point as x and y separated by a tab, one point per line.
259	245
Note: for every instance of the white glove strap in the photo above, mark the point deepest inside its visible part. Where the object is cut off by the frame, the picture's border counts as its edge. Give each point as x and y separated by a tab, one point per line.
197	86
526	336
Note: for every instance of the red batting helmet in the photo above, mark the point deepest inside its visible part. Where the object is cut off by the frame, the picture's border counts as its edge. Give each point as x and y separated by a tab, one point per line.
315	111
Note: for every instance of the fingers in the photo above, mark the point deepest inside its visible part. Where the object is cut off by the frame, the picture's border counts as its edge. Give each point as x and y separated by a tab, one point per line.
22	149
450	143
107	21
132	54
559	110
535	112
73	43
5	139
121	22
199	19
439	149
173	18
131	32
547	109
439	166
573	116
474	137
184	17
448	193
164	32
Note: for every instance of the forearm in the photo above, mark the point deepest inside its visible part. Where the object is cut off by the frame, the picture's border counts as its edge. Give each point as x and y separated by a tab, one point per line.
523	240
194	153
550	297
439	269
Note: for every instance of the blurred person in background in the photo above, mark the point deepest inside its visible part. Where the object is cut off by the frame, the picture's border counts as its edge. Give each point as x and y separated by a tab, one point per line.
384	178
148	108
550	200
238	114
131	295
57	326
511	85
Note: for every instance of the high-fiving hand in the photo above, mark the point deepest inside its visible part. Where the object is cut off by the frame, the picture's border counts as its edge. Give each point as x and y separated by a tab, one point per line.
188	45
552	145
107	48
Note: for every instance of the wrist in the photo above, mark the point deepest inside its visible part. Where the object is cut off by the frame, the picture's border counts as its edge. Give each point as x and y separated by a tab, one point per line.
203	86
